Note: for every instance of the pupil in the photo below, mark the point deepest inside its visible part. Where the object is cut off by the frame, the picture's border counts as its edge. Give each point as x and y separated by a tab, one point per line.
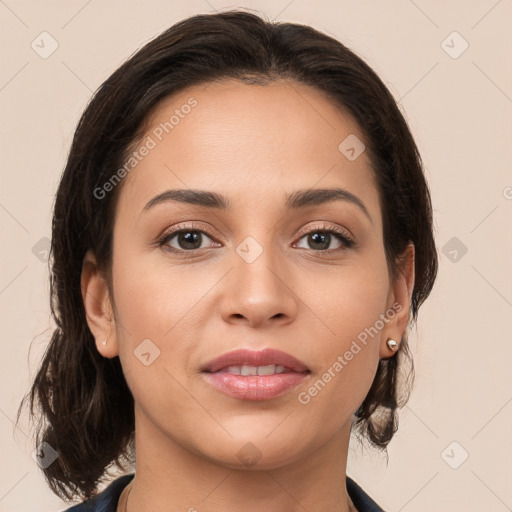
189	238
322	238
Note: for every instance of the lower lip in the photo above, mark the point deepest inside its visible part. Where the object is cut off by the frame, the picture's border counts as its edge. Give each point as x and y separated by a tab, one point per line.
255	387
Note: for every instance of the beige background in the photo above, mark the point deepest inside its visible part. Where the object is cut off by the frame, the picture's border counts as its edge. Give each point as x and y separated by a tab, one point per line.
460	112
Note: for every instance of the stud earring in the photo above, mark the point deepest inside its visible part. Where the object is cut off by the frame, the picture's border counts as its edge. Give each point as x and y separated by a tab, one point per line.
105	341
392	344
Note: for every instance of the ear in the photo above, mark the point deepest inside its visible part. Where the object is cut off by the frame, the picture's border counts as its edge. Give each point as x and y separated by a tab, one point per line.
98	307
399	302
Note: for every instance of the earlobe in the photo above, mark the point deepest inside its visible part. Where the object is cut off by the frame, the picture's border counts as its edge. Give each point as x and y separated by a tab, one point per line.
400	303
97	307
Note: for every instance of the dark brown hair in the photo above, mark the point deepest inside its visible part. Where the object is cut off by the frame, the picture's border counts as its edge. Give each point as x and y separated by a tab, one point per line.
83	397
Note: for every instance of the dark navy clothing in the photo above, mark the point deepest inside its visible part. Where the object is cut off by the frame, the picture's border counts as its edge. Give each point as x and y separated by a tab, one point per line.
361	500
107	500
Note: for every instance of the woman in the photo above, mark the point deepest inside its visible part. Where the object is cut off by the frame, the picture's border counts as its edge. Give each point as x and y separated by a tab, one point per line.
242	237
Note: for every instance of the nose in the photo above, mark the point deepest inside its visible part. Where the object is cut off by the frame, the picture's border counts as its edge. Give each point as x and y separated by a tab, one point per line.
258	291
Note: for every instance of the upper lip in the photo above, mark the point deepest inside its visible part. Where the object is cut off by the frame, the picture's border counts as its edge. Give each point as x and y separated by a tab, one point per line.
264	357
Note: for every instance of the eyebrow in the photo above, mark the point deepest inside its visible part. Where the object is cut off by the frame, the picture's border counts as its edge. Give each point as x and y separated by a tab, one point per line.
294	201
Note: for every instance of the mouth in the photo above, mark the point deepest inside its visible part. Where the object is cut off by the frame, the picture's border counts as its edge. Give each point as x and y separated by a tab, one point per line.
263	360
245	370
255	375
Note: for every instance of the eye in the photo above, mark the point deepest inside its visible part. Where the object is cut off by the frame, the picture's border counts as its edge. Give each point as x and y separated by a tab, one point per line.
188	238
320	237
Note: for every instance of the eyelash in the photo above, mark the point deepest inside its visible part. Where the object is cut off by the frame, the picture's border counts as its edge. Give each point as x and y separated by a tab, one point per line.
347	241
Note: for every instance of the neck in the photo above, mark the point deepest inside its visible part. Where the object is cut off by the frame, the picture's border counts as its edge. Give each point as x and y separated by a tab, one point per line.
170	477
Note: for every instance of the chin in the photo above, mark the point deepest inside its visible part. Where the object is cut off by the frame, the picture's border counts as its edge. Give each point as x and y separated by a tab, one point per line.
256	453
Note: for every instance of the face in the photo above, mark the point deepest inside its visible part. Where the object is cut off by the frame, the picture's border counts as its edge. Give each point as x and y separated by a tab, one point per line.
271	269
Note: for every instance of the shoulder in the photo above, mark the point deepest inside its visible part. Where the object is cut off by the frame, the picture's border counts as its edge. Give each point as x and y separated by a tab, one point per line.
106	500
361	500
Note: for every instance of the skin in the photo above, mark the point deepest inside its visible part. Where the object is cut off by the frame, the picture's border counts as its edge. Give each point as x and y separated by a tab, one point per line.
254	144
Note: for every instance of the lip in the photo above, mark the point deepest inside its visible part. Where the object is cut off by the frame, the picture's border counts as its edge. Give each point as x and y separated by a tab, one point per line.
264	357
255	387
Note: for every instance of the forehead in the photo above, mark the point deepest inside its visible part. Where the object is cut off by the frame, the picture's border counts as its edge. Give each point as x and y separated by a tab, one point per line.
250	142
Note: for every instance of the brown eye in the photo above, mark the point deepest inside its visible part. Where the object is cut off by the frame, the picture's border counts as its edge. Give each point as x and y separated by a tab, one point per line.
185	238
320	239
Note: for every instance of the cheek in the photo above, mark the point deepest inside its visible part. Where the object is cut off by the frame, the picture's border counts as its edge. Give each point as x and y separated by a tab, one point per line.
347	351
347	300
155	310
347	305
166	304
152	295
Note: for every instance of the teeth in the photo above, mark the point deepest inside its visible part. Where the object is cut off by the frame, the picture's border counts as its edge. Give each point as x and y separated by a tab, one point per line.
255	370
249	370
267	370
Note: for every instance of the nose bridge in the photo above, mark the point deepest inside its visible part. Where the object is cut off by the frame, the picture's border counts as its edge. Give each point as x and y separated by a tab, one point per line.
257	242
259	291
256	263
